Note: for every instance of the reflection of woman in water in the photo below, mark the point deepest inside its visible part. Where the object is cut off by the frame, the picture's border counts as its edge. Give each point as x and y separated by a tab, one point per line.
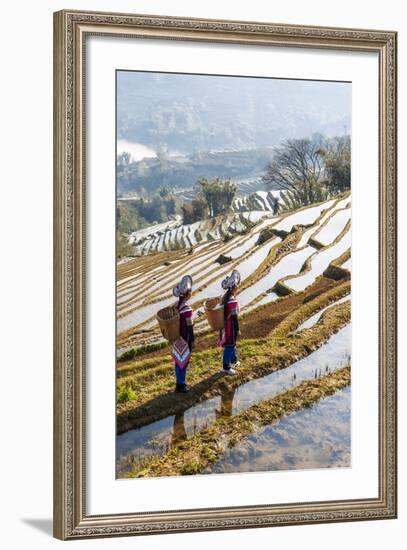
179	432
229	334
226	403
181	350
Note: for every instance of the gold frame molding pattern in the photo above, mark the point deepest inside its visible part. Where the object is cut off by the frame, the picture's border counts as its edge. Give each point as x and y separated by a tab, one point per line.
70	31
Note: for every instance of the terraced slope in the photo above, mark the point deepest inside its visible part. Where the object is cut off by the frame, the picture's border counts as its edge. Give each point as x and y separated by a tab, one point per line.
291	392
173	235
278	256
259	200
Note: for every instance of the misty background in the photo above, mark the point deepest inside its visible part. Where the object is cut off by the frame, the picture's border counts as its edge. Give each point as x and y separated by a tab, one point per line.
184	138
189	113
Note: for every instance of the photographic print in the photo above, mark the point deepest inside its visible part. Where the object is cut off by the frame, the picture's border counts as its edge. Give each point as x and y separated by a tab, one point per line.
233	274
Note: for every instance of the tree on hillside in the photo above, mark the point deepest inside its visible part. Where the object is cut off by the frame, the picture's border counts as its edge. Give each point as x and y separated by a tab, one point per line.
219	194
196	210
164	192
124	159
199	207
276	205
169	200
337	158
163	157
123	248
298	168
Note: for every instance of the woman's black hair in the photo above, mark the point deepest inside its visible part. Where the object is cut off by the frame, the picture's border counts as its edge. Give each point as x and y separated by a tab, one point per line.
182	298
226	296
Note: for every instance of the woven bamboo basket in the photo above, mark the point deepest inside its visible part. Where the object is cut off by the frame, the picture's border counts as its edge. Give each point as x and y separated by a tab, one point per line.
168	320
214	310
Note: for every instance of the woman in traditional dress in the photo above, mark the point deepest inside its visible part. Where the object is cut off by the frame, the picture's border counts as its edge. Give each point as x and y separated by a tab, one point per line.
181	350
229	334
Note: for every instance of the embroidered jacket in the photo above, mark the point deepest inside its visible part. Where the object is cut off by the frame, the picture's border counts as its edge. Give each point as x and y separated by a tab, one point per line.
231	309
186	325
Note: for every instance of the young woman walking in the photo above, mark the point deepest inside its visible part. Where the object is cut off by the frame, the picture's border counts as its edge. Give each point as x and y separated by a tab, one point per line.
181	350
229	334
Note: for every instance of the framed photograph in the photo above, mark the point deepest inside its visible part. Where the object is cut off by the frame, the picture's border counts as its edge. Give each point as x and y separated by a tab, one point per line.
225	274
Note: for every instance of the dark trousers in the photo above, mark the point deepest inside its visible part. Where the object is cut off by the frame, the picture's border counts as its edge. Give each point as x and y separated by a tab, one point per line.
229	356
180	374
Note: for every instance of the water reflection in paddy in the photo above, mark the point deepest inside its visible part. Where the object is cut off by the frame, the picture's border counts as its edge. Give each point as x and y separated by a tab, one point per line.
318	437
311	321
158	437
328	358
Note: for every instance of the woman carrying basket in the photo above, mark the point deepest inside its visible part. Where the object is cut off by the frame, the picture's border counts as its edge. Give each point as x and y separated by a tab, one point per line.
229	334
181	350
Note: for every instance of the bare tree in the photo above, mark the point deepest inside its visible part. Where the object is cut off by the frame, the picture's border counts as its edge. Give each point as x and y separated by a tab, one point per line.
296	162
337	158
195	210
298	168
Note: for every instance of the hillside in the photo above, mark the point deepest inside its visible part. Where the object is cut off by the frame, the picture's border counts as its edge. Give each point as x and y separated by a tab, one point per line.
302	245
181	172
259	200
173	235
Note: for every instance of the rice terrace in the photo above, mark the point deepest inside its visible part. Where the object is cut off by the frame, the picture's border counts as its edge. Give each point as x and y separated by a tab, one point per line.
265	213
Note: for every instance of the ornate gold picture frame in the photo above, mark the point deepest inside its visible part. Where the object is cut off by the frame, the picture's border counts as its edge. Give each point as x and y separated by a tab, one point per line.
71	30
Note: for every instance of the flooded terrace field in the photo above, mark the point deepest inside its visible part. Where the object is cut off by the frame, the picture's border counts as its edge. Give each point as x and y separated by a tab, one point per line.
158	437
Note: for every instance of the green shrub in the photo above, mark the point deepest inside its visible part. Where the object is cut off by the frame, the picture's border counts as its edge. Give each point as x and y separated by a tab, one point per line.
125	393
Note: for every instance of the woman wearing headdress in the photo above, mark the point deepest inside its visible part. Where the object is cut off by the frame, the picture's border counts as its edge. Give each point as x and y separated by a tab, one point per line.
181	350
229	334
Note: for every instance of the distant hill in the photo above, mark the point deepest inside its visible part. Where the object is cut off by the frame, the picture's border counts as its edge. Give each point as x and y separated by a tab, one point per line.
182	172
188	113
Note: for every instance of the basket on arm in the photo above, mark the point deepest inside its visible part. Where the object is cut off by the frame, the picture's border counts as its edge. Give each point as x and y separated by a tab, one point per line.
214	310
168	320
